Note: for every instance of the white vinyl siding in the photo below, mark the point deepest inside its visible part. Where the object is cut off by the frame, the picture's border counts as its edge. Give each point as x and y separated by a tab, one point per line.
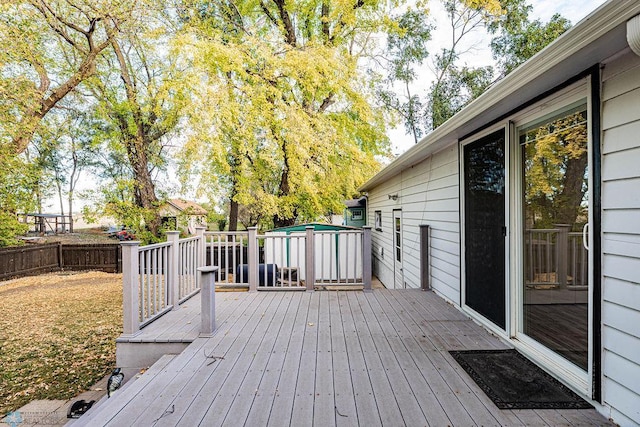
428	193
621	238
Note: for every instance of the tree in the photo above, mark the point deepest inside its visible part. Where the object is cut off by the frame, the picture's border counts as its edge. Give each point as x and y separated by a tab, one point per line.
518	39
67	146
291	129
455	86
47	48
141	99
555	162
18	178
407	48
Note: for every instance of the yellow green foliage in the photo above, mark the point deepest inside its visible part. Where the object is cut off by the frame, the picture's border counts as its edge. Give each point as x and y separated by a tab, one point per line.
285	118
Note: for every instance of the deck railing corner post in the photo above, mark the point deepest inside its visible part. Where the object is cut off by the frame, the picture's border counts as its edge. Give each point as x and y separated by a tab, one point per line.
173	280
310	275
130	283
201	251
252	252
207	277
366	258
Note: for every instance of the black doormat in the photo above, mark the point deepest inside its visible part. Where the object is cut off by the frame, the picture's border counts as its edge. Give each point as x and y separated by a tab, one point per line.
514	382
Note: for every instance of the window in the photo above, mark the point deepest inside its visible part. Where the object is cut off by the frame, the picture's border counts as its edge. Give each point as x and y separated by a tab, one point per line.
356	215
378	220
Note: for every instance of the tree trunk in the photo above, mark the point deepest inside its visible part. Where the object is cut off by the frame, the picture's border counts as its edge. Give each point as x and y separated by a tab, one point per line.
145	194
70	201
284	189
567	204
137	148
233	215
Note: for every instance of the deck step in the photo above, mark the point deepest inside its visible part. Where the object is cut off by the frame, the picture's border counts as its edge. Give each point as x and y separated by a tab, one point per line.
131	387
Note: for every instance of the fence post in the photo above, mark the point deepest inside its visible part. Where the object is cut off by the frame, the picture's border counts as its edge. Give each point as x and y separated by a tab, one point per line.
424	258
130	283
207	278
252	249
60	257
562	253
310	260
366	257
174	268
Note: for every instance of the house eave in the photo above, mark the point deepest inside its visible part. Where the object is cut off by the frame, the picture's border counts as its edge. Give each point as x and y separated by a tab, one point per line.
589	42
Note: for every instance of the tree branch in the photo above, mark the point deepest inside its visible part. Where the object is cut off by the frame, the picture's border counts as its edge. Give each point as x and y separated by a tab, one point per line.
290	32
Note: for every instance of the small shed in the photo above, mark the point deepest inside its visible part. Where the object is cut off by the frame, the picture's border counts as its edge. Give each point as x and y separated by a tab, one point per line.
355	212
183	214
338	250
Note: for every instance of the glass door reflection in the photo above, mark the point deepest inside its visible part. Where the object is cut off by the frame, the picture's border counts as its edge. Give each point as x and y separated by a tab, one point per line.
556	212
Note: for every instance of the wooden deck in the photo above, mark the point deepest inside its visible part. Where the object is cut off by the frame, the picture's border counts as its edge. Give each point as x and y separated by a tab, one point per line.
325	358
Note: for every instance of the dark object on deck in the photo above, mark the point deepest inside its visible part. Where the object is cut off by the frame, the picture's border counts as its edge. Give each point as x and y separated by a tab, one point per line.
115	381
79	407
514	382
242	274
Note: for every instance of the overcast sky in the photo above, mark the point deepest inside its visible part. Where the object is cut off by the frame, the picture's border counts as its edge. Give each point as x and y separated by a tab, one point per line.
478	52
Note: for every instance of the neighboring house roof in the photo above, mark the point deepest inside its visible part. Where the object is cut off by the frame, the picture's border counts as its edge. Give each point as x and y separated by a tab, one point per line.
191	208
590	42
356	203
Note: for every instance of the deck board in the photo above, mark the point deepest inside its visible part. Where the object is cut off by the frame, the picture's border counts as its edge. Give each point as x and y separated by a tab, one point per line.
346	409
326	358
286	389
405	395
266	392
239	410
303	403
230	347
360	344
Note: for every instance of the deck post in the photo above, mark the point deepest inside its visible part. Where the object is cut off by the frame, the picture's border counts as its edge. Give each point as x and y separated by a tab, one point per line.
310	274
202	248
130	282
207	278
424	257
252	252
562	253
366	257
173	290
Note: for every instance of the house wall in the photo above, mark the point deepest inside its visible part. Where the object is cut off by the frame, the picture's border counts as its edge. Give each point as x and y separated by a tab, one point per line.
621	238
428	194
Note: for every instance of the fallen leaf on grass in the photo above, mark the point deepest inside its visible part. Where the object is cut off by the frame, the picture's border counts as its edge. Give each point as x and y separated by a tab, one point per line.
58	335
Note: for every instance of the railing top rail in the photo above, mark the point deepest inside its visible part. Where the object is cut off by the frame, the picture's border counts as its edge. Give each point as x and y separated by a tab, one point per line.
339	232
226	233
188	239
154	246
542	230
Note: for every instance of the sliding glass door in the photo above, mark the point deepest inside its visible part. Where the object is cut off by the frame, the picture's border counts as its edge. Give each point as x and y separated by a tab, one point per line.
554	171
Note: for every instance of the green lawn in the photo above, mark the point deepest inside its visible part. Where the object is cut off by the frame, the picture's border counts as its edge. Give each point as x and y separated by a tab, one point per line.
57	335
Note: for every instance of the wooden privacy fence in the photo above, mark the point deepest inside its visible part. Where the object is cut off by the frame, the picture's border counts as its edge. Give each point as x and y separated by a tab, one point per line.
35	259
157	278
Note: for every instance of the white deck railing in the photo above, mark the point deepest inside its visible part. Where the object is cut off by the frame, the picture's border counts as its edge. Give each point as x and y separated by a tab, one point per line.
159	277
227	250
555	257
